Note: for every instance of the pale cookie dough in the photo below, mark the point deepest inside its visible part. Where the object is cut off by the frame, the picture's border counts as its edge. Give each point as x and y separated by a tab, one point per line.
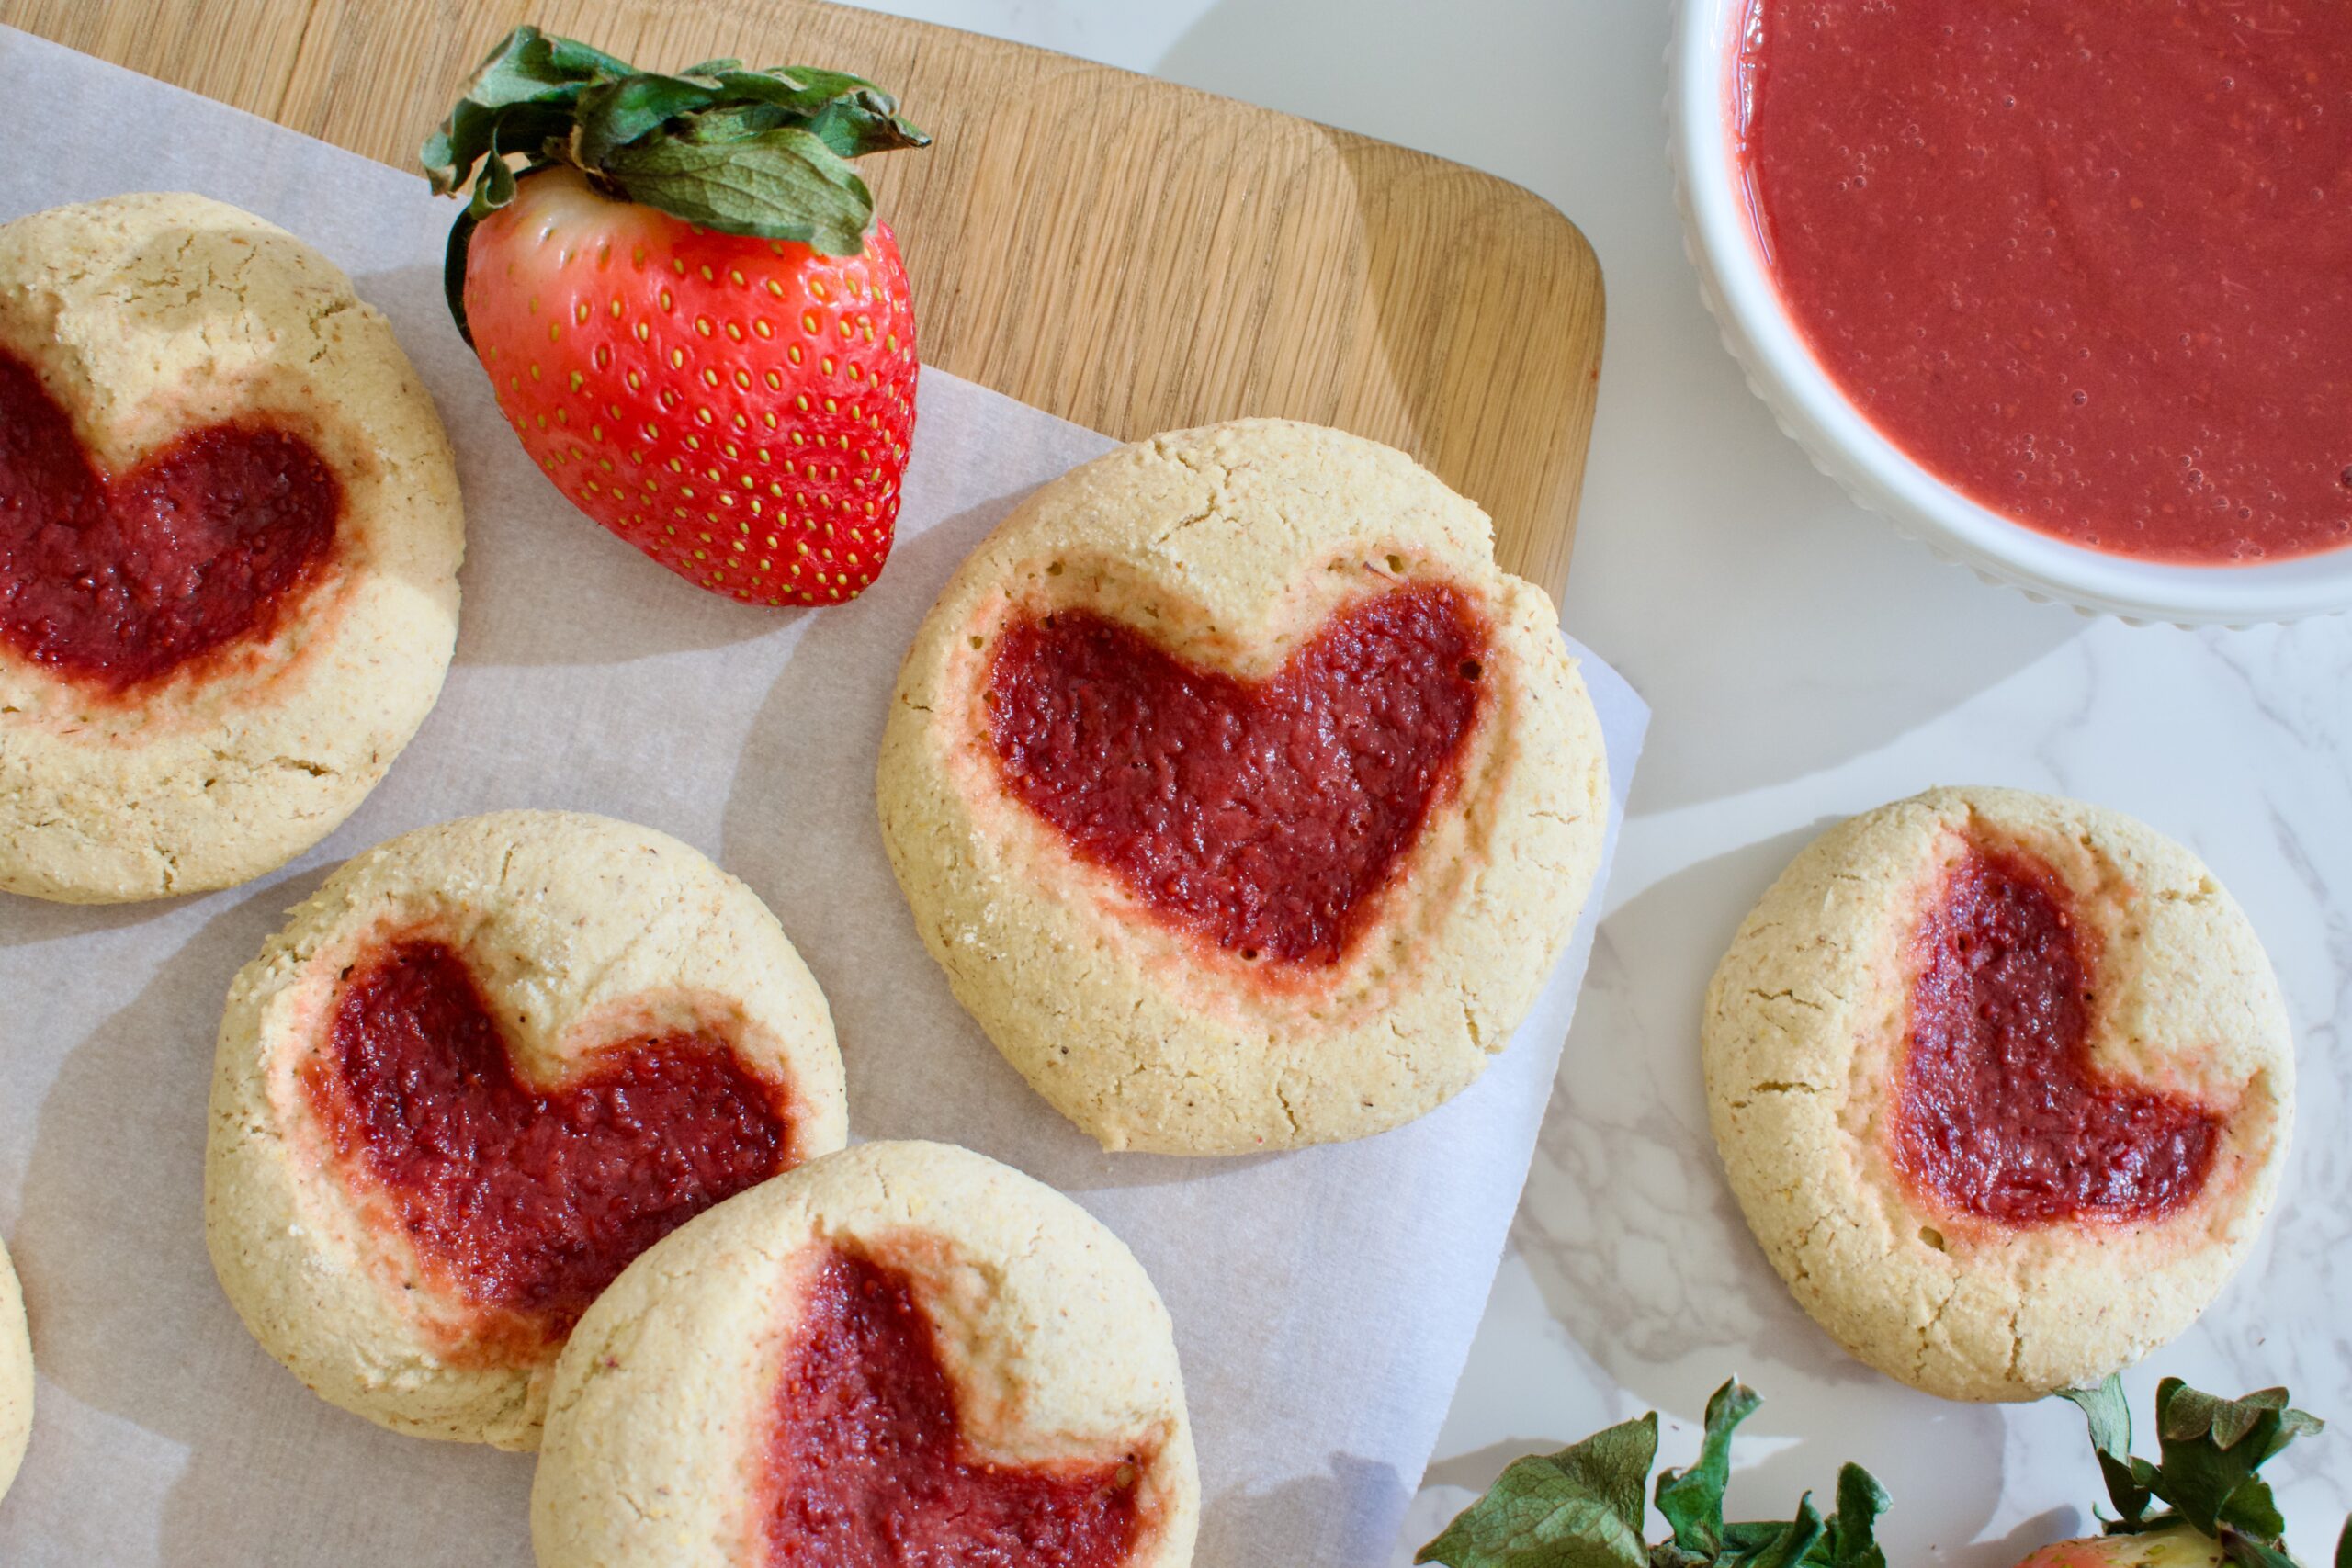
1056	1349
1804	1039
580	932
146	316
1230	546
16	1375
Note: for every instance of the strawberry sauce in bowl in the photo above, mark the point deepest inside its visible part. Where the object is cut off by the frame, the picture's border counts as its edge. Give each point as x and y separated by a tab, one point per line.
2062	287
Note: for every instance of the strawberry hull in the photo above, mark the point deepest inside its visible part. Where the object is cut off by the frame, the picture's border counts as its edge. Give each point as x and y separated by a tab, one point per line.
738	408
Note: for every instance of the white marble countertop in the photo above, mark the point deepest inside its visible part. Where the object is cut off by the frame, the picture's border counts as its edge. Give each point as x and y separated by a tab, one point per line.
1803	663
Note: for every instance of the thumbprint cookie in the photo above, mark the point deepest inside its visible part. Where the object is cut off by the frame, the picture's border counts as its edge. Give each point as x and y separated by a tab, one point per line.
906	1353
1246	802
483	1067
229	542
2003	1083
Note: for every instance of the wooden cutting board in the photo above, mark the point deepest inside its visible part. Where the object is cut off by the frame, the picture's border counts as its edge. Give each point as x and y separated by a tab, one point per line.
1130	254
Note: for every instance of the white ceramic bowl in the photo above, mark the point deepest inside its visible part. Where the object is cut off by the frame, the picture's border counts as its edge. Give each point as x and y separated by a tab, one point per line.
1733	279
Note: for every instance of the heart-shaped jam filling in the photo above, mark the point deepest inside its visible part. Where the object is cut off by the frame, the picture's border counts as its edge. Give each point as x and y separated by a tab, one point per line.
523	1201
2000	1113
118	581
1266	815
866	1462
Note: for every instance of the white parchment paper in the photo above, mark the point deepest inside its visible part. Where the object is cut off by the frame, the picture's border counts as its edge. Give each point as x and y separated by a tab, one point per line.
1324	1301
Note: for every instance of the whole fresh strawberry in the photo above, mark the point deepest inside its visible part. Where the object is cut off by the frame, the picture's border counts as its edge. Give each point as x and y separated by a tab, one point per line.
687	308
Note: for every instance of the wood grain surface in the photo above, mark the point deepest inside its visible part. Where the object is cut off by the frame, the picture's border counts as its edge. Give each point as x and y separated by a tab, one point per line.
1130	254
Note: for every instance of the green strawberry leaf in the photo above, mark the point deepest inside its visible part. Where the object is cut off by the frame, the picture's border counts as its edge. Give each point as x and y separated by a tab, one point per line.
574	61
783	185
2210	1448
614	114
855	126
2253	1510
731	122
2293	1423
496	186
2109	1414
851	115
1692	1499
1853	1529
2344	1546
1786	1545
527	66
1581	1508
449	154
760	152
2248	1553
527	70
1848	1538
797	89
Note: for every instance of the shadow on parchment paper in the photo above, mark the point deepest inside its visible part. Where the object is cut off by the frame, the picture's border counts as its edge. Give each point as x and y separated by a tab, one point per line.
129	1318
24	921
918	1066
1641	1254
1362	1497
543	584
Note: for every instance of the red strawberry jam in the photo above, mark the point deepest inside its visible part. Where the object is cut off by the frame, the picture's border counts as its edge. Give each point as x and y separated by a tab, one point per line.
120	581
1263	816
867	1465
529	1200
2000	1113
2087	261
